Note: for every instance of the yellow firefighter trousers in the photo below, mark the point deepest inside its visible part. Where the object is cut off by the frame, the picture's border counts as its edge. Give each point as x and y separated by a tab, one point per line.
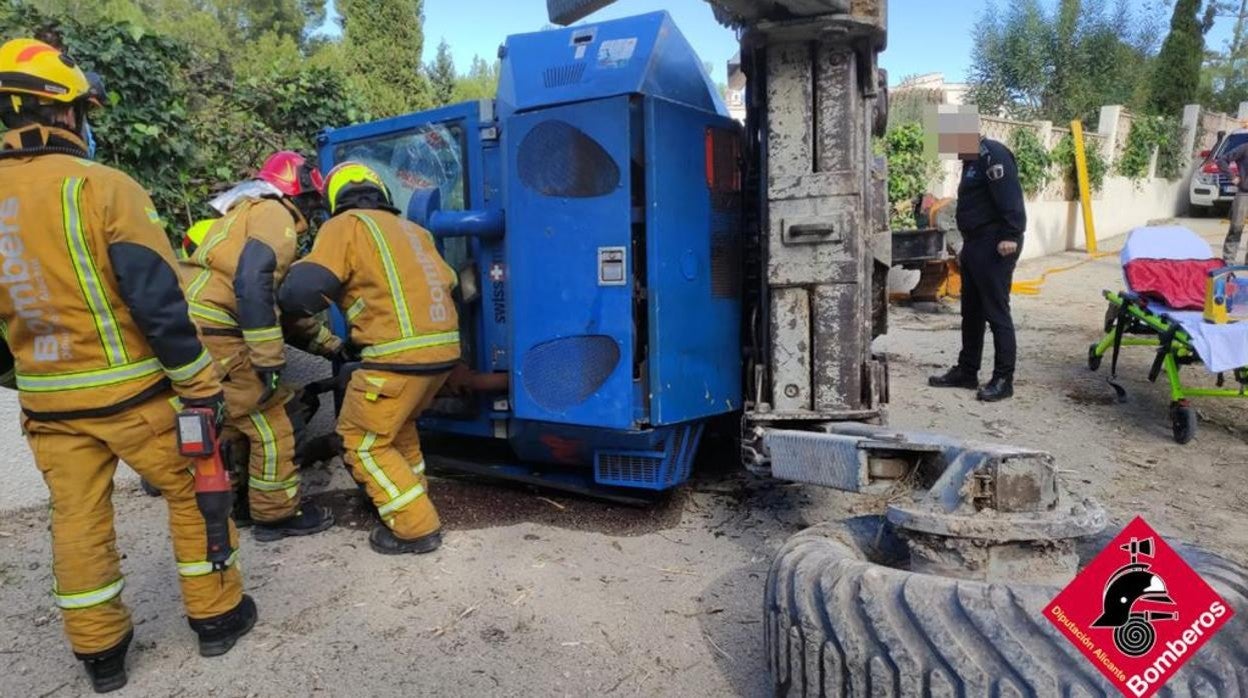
273	485
380	445
78	458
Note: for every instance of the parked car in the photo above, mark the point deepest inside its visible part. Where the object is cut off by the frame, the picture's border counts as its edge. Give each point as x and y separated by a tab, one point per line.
1210	189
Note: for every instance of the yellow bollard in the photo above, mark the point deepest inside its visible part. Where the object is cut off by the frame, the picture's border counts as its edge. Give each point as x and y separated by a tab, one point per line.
1031	287
1085	191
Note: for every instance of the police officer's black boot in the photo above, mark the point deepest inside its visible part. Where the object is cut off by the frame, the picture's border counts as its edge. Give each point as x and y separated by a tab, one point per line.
107	669
217	635
956	377
999	388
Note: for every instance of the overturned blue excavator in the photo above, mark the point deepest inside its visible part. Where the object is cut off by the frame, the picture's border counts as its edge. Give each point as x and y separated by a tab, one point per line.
594	212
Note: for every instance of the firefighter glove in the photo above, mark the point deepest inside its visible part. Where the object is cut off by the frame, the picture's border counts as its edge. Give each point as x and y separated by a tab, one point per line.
270	378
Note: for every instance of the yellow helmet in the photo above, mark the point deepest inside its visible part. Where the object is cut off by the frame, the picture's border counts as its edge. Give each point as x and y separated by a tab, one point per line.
349	175
199	231
31	67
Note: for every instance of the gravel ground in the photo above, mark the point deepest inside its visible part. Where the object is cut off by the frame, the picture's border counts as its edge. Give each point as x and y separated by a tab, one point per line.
551	595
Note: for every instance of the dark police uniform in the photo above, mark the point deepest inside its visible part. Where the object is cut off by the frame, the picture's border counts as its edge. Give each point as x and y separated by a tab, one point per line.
990	210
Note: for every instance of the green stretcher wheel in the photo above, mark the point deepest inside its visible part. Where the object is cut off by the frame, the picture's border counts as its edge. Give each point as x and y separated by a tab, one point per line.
1094	359
1183	421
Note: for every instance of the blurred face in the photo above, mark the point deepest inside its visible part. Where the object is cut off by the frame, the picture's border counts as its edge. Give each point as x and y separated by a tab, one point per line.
952	131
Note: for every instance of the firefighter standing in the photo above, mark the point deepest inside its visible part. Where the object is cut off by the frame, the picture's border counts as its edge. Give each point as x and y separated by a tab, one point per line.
395	289
992	218
232	280
98	343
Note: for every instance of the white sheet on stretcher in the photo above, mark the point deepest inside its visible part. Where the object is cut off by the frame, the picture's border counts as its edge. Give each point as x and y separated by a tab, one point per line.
1221	347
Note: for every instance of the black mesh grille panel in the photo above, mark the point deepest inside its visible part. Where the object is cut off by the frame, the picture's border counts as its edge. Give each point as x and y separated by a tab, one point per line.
725	257
565	372
561	75
558	159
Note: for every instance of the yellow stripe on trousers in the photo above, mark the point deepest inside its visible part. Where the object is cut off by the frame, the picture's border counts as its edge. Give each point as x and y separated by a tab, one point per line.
269	442
87	599
370	465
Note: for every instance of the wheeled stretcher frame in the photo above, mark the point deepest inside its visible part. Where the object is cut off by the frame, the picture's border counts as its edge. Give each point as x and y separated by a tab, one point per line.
1130	322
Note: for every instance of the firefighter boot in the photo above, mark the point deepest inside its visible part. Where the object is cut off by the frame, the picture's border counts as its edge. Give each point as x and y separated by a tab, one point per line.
107	669
383	540
218	635
311	518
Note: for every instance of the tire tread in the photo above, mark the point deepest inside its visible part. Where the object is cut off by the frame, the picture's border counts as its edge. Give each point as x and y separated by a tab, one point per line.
839	625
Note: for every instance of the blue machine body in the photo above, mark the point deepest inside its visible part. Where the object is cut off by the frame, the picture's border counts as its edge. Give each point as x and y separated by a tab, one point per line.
594	211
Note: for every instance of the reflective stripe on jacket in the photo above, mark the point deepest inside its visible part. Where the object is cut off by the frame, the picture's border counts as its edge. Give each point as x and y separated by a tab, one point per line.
91	306
233	276
394	287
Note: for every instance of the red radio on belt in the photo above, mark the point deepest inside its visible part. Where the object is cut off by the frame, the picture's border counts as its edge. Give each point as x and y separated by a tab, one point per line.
197	439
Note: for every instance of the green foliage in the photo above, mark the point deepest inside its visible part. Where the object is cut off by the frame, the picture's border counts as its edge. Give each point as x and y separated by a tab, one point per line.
179	120
481	82
1034	161
1223	80
1148	134
909	168
1030	63
442	76
1063	156
1176	75
382	43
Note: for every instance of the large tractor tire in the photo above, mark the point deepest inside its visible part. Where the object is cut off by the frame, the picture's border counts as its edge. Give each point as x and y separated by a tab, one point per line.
844	618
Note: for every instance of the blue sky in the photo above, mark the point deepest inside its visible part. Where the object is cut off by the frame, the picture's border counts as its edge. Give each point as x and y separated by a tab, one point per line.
924	35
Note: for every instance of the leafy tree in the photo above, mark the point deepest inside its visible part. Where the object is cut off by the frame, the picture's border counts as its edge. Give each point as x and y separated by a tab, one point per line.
1224	80
1176	75
481	82
1032	64
178	119
909	168
382	43
442	76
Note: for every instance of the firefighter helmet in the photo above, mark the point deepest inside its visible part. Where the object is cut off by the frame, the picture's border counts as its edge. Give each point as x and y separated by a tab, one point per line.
349	176
291	174
31	67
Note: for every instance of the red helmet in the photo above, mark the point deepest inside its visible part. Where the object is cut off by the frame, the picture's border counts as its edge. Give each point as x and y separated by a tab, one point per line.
291	174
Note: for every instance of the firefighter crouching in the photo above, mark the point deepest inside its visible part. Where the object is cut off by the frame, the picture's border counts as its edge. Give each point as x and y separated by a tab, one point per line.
232	280
98	343
395	289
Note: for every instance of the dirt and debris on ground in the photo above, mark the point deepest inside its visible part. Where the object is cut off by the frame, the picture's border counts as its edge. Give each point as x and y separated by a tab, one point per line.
555	595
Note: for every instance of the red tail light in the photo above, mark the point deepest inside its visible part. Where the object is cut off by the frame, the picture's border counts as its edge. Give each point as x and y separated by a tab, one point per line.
1210	168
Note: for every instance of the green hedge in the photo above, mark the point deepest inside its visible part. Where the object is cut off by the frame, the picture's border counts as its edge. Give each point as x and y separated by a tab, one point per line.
179	122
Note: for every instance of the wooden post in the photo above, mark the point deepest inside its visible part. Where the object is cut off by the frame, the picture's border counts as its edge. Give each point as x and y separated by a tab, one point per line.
1085	191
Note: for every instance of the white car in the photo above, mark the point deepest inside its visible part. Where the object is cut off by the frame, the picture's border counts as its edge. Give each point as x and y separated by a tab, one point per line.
1209	188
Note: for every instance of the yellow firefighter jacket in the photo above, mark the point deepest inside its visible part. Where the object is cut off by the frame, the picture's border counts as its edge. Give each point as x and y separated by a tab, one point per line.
393	286
91	310
232	280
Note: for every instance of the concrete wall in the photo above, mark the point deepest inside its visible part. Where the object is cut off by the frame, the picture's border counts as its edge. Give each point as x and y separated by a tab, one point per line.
1054	218
1056	226
23	486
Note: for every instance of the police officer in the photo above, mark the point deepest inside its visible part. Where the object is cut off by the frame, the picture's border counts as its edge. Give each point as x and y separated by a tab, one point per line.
992	219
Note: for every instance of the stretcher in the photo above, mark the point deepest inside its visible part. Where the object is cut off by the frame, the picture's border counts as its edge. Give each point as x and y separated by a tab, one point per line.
1166	269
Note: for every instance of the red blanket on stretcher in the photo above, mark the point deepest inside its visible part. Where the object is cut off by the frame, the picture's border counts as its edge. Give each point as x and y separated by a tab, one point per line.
1178	283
